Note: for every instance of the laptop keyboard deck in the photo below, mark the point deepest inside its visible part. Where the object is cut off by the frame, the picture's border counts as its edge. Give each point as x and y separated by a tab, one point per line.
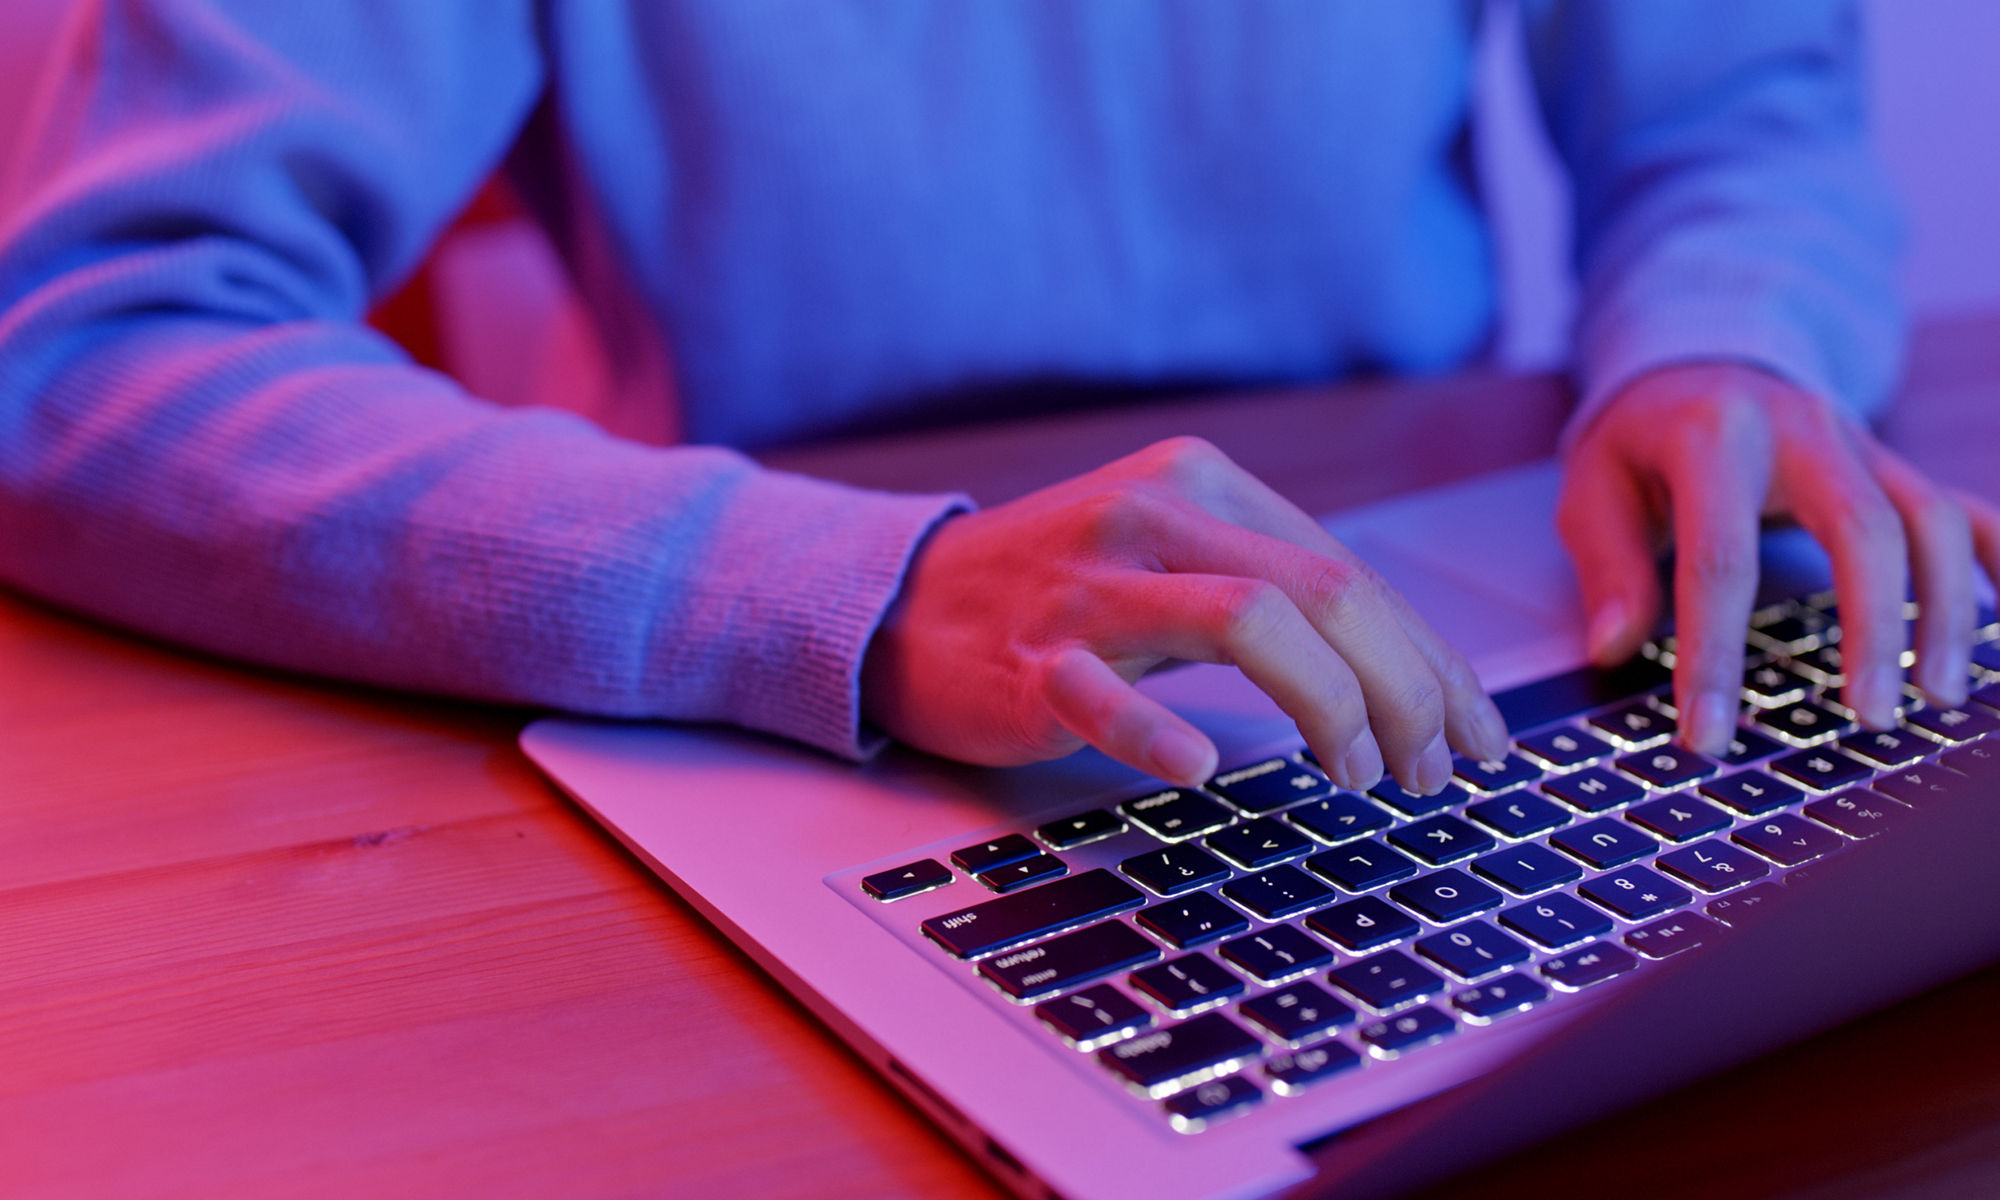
1215	947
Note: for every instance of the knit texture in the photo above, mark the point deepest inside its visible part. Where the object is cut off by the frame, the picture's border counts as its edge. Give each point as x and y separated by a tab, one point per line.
807	218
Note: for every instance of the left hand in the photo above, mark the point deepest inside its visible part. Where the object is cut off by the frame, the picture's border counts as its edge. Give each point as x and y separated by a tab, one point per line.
1702	453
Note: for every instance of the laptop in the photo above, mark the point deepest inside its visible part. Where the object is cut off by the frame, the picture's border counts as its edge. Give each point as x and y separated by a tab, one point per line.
1102	986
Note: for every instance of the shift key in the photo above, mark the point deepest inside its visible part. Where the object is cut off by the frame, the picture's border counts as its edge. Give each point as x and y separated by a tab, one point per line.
1046	968
1023	916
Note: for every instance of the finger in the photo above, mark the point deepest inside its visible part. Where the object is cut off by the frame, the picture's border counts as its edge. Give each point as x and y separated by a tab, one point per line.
1839	502
1473	724
1096	704
1941	549
1717	481
1253	625
1609	531
1344	604
1985	521
1204	475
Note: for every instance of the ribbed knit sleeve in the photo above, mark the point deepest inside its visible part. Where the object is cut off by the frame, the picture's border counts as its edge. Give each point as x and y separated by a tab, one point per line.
1726	203
199	439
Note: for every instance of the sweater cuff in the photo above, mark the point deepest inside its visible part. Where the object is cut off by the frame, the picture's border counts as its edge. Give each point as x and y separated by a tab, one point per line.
811	569
1620	347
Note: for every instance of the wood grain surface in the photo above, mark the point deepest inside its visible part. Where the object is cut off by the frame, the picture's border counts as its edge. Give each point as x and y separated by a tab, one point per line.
270	936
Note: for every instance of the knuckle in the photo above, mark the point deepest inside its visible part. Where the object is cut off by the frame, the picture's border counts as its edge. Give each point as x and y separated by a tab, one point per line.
1188	462
1419	704
1119	515
1869	525
1248	611
1333	590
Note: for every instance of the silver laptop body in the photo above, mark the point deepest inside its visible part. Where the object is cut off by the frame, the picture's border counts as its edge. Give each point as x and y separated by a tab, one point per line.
770	842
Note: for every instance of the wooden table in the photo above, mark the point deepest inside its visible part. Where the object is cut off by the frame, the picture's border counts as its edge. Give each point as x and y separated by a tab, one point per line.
265	936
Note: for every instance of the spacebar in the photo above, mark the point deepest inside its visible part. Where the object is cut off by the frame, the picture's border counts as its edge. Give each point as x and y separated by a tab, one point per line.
1030	914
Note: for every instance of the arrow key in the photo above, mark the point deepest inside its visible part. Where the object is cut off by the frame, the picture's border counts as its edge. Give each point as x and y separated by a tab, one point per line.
898	882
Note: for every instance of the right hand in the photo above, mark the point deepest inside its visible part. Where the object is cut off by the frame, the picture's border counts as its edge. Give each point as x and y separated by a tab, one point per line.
1020	630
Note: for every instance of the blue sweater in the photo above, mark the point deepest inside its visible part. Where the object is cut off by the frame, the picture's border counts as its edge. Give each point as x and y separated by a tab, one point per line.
796	218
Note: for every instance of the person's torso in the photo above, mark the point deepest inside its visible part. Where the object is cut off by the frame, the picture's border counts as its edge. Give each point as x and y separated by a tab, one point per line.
846	214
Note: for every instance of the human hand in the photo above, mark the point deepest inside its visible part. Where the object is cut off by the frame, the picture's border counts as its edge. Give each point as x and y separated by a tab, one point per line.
1705	452
1021	629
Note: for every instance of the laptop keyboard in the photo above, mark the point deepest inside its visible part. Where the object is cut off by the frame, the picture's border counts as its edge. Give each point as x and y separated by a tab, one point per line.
1214	948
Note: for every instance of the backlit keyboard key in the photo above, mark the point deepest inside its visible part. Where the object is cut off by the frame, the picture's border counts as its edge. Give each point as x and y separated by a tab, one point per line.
1823	770
1445	896
1411	804
1680	818
1747	747
1278	893
1271	785
1888	748
1196	1108
1015	876
1192	920
1257	844
1556	921
1590	964
1973	759
1472	951
1604	842
1528	869
1859	813
1361	866
1713	866
1364	924
1405	1032
1062	962
1770	686
1298	1013
1175	869
1385	980
1080	830
1503	996
1634	893
1520	815
1175	815
1953	725
1593	790
1736	909
1156	1061
1279	952
1988	697
996	853
1021	917
1188	983
1338	819
1566	747
1093	1016
1635	726
1804	723
1494	776
1669	936
1788	840
1751	793
1667	767
898	882
1921	785
1440	839
1293	1073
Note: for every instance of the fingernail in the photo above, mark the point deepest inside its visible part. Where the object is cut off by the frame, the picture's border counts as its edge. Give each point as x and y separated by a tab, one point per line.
1181	757
1434	767
1710	723
1363	763
1607	629
1491	730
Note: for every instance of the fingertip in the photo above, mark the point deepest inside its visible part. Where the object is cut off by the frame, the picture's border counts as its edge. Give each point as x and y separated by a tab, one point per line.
1610	635
1363	763
1182	756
